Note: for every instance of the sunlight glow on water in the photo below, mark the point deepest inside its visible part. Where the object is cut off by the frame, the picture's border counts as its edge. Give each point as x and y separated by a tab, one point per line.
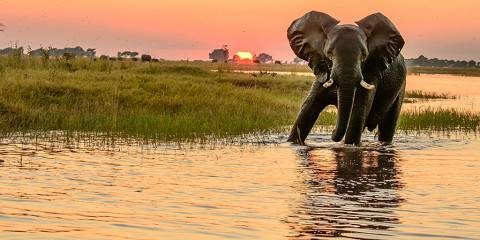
419	187
423	186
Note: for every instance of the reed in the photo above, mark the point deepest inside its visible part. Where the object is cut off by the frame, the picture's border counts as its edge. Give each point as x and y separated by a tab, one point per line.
428	95
165	100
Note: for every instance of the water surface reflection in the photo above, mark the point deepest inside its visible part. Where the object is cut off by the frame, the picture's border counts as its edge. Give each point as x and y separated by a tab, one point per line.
421	187
349	192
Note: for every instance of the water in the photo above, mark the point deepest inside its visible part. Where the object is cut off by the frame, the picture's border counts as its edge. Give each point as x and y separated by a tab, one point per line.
465	89
424	186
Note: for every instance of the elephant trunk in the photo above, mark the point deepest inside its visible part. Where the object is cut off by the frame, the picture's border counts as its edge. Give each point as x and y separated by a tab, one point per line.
345	101
361	108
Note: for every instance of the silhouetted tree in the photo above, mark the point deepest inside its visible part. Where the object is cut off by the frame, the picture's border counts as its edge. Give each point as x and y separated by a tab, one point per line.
219	55
146	58
127	54
264	58
423	61
472	63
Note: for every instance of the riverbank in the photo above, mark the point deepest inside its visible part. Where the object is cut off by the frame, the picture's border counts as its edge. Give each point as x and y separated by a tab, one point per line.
169	100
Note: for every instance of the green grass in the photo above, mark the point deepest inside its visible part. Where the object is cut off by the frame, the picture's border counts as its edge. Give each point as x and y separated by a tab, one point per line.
439	120
427	95
165	100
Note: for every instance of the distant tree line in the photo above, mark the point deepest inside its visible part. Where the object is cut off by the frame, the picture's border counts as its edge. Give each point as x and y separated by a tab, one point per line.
52	52
423	61
70	53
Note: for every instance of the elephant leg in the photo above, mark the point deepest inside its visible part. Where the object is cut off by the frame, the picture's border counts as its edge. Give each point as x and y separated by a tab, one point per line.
361	107
386	128
318	98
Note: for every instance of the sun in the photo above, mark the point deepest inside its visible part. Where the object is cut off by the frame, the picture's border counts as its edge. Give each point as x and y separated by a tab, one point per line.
245	56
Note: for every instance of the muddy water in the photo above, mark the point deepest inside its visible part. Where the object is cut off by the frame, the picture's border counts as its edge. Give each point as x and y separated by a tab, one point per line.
424	186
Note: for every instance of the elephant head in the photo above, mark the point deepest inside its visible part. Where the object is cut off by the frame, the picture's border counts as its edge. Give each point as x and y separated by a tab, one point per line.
342	52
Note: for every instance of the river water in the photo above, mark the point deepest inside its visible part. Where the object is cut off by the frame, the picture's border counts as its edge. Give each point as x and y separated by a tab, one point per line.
424	186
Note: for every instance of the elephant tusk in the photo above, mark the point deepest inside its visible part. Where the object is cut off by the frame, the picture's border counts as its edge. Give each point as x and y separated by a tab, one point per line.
328	83
367	85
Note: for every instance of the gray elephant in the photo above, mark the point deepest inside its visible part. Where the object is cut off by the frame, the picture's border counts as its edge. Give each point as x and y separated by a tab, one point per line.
358	68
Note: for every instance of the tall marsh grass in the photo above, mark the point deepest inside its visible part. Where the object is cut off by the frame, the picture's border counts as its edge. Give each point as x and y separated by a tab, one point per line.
428	95
173	100
168	100
438	119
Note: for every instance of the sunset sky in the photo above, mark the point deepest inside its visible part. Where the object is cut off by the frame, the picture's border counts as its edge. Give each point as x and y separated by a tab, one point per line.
190	29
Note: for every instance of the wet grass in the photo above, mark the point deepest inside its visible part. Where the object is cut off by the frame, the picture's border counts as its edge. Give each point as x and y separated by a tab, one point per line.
427	95
160	100
439	120
165	100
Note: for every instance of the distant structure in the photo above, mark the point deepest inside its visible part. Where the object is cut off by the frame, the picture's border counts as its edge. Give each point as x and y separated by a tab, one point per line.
73	52
264	58
219	55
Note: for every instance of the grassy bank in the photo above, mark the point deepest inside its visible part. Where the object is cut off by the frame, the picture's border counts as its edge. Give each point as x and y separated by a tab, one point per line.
439	120
172	100
427	95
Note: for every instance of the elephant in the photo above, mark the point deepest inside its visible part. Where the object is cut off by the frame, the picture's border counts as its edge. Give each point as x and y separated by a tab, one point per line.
358	68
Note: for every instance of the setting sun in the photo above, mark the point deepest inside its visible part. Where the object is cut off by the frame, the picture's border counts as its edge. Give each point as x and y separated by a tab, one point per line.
243	57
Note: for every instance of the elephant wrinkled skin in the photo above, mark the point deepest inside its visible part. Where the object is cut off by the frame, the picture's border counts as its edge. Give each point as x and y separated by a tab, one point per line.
358	68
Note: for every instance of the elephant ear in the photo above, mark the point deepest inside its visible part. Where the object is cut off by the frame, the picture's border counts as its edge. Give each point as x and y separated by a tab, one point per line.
384	40
307	36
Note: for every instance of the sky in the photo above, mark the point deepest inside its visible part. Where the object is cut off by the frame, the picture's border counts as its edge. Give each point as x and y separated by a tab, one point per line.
190	29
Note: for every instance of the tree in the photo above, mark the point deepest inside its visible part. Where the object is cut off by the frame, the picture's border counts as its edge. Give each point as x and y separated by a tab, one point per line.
264	58
220	54
91	52
472	63
127	54
146	58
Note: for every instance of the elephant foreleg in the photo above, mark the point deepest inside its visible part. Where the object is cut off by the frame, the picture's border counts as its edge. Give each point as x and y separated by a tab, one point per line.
386	128
318	98
361	107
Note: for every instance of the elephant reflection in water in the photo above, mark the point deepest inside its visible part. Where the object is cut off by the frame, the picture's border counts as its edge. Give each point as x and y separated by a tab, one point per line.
351	192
